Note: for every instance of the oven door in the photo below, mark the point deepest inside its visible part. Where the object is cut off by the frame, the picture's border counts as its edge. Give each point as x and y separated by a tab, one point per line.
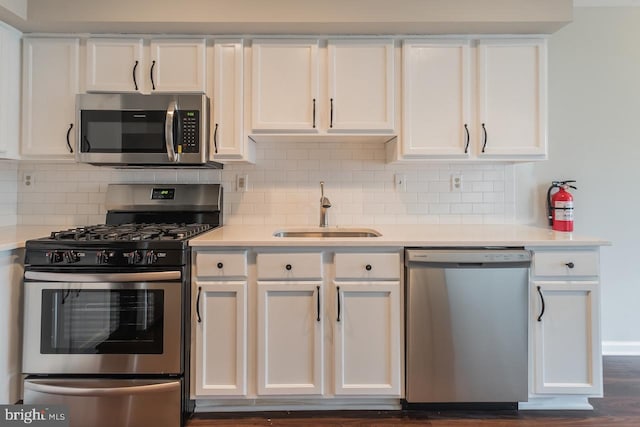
122	323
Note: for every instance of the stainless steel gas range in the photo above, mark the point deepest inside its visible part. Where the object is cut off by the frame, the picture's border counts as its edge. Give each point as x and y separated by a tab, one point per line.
106	308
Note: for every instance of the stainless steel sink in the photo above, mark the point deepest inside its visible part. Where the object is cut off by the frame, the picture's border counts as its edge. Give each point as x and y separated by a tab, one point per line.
328	232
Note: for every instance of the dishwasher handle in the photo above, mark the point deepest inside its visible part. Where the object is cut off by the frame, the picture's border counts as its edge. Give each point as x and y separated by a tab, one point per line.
465	258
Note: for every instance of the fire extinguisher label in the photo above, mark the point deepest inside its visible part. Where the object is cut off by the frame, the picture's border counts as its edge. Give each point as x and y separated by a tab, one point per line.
564	211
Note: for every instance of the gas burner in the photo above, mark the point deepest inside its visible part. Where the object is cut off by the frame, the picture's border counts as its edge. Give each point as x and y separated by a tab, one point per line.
131	232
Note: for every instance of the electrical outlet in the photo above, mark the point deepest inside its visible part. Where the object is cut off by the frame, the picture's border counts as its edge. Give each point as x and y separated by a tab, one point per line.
242	181
400	181
456	182
28	179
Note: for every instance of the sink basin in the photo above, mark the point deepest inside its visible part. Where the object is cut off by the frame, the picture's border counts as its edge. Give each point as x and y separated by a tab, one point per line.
328	232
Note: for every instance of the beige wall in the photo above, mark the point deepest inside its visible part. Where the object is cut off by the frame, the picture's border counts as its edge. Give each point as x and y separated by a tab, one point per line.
17	7
300	16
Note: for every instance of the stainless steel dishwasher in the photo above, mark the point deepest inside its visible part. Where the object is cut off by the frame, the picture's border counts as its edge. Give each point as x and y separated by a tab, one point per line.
466	325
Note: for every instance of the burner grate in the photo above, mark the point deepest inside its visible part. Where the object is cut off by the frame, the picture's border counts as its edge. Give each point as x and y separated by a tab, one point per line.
131	232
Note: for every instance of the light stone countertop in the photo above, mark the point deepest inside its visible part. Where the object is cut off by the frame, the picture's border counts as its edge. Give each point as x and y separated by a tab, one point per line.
14	237
400	236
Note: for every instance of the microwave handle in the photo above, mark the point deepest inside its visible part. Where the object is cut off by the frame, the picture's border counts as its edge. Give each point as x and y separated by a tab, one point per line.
168	131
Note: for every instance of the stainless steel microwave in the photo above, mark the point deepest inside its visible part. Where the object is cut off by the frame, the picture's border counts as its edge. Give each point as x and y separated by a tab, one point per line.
143	130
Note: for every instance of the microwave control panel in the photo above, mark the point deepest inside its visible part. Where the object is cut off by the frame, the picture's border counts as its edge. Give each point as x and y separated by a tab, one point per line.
190	131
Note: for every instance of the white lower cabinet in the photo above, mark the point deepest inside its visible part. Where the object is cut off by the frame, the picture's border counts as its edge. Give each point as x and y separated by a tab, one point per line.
367	338
11	296
219	324
312	326
566	354
367	313
290	350
221	338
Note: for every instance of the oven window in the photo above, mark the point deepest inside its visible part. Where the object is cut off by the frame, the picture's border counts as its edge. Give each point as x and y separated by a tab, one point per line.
95	321
108	131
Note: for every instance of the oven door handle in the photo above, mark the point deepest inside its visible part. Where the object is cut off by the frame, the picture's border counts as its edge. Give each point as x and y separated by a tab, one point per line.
58	388
156	276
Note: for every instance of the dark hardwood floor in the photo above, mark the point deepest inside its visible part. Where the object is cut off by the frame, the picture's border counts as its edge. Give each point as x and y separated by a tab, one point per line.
620	406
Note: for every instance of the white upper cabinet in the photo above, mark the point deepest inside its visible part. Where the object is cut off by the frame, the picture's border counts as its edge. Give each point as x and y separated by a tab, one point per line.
9	92
361	85
50	84
512	88
285	85
114	65
296	88
226	90
481	99
437	99
128	65
177	65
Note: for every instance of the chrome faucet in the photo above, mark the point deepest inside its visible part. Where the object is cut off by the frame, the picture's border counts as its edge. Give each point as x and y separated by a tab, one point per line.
324	205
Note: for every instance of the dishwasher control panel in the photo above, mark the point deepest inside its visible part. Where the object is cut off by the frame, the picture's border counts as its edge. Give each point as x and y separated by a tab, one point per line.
469	256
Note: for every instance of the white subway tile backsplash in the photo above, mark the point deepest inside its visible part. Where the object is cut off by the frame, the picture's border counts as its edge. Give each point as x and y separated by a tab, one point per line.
283	189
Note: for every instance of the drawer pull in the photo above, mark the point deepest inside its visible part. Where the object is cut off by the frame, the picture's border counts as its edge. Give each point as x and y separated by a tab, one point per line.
288	267
542	301
570	264
368	267
220	265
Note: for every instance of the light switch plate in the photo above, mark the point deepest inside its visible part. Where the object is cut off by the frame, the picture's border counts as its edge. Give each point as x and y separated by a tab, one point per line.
242	181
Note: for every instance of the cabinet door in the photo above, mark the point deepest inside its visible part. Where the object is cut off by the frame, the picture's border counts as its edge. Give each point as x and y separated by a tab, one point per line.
361	85
436	99
50	85
227	101
367	338
285	85
512	87
567	354
177	65
9	92
11	273
115	65
220	315
290	350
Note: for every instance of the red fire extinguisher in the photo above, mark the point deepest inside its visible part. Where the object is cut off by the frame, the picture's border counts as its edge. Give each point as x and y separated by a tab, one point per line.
560	206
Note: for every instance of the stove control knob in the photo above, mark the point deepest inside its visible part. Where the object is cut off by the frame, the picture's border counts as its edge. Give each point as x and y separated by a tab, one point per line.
71	257
151	257
54	257
133	257
103	257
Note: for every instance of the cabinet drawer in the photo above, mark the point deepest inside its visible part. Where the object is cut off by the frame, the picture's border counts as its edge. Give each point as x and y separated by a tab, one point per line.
289	266
566	263
221	264
367	266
